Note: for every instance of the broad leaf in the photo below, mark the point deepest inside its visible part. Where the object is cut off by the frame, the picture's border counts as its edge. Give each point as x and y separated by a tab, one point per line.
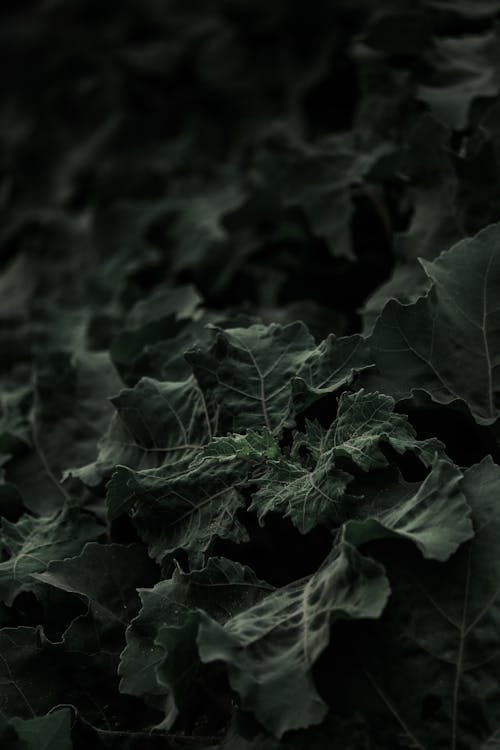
49	732
271	648
332	365
443	636
30	675
186	509
69	411
446	342
155	423
161	657
107	576
433	515
32	543
310	490
248	373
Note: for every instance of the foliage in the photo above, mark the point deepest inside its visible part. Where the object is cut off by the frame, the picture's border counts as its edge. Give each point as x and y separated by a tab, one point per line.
250	375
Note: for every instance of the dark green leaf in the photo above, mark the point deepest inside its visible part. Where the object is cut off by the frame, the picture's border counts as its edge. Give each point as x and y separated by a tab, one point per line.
445	343
271	647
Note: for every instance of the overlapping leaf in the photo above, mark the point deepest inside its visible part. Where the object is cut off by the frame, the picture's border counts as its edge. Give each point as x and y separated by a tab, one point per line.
434	515
156	423
161	657
310	492
185	509
143	245
271	647
31	543
443	634
248	373
49	732
107	576
68	410
446	342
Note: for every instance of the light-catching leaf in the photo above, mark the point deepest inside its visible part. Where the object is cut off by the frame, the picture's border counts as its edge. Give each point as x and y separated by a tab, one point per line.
183	509
161	660
443	634
156	423
310	490
446	343
434	515
271	648
248	374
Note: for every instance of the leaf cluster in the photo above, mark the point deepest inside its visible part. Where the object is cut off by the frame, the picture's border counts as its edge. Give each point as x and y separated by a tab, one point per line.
250	375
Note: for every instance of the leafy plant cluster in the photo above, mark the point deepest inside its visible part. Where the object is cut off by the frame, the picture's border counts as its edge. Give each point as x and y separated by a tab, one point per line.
250	375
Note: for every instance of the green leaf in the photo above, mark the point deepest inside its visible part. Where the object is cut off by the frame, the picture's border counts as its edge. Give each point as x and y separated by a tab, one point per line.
14	425
331	366
247	373
433	515
156	333
68	413
441	637
315	178
186	509
107	576
32	543
270	648
311	492
307	496
49	732
463	69
30	673
212	220
364	422
445	343
156	423
199	229
161	657
256	446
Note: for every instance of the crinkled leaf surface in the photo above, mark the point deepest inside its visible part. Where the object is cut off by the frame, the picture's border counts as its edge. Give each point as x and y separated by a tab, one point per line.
307	496
161	658
183	509
330	366
203	205
433	515
156	422
247	372
270	648
364	422
443	635
310	491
